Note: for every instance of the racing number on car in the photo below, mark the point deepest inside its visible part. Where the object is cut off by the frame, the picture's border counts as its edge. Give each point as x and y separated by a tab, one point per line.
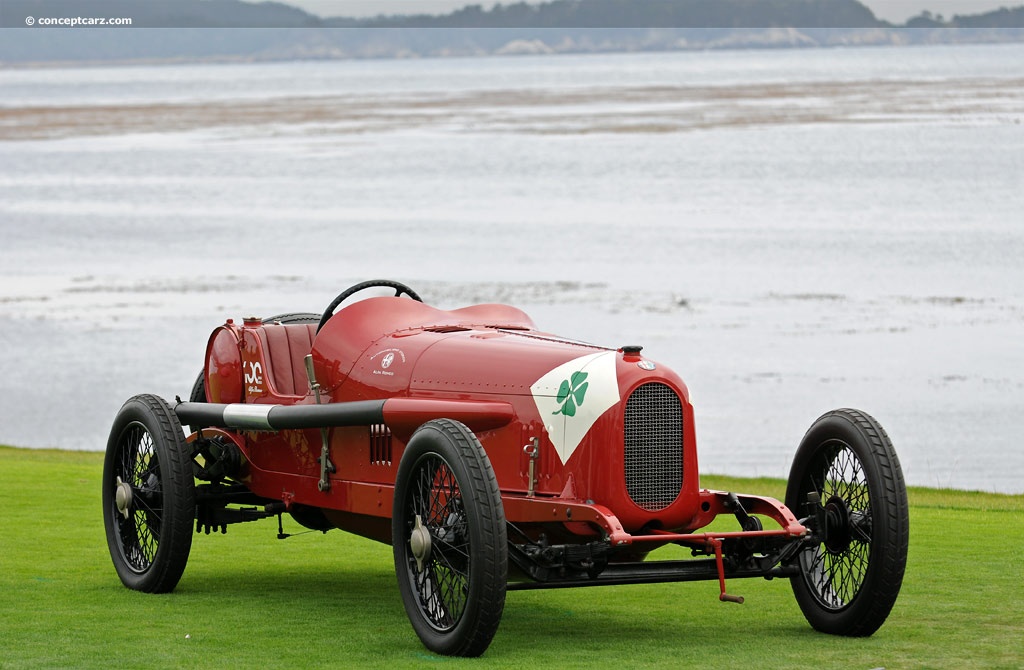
253	376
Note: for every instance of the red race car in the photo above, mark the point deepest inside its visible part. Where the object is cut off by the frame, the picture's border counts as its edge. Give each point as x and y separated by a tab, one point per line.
491	456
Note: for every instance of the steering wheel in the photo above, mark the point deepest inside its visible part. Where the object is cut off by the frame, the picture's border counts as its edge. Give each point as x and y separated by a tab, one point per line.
399	287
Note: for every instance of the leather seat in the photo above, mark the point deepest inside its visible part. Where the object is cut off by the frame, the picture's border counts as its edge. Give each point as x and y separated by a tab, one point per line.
285	348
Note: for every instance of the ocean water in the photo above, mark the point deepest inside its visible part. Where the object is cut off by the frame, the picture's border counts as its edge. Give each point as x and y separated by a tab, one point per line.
791	231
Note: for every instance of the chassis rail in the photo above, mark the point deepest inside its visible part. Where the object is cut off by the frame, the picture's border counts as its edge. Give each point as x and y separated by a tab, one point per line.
737	554
658	572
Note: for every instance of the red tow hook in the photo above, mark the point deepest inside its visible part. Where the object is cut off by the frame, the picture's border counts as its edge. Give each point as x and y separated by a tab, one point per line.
716	544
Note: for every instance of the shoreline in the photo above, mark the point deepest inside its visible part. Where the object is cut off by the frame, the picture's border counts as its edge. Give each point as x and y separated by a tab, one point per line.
636	109
921	495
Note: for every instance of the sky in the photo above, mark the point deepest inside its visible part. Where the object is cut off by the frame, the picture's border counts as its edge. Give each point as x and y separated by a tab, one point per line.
895	11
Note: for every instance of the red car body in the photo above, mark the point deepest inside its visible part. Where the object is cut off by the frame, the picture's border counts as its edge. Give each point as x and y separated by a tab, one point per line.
486	366
393	419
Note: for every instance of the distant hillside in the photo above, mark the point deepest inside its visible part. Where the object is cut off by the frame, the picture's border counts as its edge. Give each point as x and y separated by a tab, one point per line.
232	30
1002	18
733	14
650	14
162	13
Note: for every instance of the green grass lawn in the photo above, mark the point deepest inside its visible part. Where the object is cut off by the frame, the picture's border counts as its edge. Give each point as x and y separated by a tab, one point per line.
250	600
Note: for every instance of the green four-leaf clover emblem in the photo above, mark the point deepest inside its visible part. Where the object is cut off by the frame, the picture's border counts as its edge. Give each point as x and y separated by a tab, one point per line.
571	393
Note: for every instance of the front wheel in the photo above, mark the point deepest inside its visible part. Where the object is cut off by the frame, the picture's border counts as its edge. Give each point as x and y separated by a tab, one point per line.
148	495
847	479
449	539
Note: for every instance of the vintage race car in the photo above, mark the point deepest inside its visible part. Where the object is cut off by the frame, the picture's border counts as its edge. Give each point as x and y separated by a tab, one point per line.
491	456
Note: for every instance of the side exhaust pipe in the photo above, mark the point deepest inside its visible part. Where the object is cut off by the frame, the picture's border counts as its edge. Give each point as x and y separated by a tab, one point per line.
243	416
401	415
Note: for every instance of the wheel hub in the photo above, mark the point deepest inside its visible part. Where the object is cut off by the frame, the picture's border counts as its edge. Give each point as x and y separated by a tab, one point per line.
419	543
837	525
123	497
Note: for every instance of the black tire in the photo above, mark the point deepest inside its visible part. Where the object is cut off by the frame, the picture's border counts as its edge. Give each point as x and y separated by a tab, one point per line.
293	317
454	591
148	495
198	393
849	579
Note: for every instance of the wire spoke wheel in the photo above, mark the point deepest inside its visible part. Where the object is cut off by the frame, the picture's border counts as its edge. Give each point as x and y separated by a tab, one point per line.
140	511
148	495
837	567
449	540
847	479
442	582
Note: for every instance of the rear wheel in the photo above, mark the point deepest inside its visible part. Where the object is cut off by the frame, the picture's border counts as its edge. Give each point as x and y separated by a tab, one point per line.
148	495
847	479
293	318
449	540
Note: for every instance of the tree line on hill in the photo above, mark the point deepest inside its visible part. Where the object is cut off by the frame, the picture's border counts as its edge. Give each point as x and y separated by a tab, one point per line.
207	29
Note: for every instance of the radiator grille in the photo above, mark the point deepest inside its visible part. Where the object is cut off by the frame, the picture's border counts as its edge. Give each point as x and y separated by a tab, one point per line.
654	446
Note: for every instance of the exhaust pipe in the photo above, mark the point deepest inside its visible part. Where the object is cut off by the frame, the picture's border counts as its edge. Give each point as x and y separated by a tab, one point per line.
243	416
401	415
